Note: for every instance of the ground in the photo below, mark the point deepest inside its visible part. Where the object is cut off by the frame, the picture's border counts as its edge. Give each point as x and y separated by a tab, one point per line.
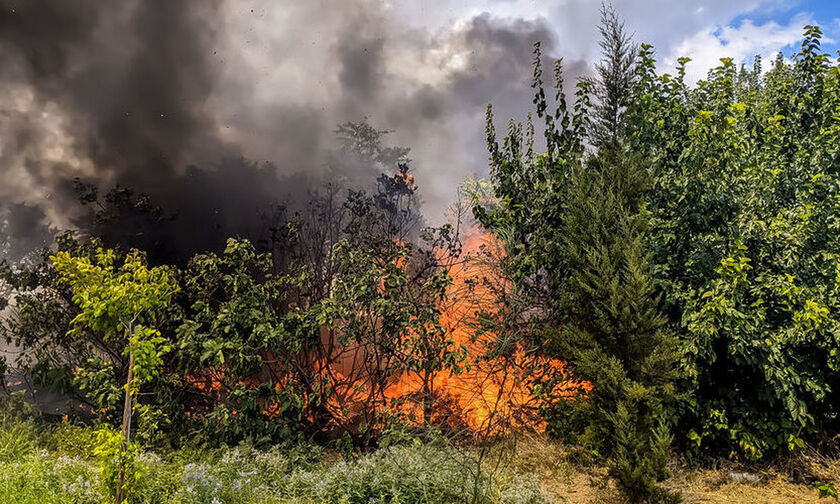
729	483
55	463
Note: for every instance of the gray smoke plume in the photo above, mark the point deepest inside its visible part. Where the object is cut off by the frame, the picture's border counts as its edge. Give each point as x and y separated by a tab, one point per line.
220	109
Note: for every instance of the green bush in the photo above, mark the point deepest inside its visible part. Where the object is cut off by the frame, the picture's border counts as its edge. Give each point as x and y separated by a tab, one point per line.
43	478
243	475
18	432
521	489
71	439
746	244
415	473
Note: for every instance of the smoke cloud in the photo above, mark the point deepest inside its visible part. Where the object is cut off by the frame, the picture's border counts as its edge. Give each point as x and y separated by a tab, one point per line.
220	109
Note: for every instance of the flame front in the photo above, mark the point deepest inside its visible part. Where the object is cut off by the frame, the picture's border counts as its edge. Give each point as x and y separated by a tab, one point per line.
496	390
499	385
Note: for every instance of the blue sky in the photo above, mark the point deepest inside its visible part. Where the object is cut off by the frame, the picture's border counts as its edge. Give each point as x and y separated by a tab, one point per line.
826	13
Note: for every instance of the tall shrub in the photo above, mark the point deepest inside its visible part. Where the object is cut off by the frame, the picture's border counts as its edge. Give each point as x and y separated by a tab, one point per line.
745	241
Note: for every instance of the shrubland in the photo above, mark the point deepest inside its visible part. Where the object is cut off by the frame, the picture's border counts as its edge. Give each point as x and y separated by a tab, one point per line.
683	241
57	464
675	246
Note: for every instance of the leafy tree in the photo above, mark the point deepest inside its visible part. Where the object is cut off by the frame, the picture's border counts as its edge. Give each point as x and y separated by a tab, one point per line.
530	189
387	300
382	309
364	141
745	242
122	218
85	365
37	315
123	302
231	348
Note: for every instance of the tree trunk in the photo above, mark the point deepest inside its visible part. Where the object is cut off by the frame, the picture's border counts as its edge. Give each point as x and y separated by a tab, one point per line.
126	427
428	397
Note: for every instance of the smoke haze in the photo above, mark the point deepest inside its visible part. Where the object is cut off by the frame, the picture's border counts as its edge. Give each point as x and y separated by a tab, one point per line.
219	109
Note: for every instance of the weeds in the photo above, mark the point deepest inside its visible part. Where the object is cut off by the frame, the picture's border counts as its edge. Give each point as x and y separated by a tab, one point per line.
56	464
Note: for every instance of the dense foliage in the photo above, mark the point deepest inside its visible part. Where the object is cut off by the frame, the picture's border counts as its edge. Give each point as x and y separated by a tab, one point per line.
709	213
57	464
677	245
613	334
121	302
746	237
255	341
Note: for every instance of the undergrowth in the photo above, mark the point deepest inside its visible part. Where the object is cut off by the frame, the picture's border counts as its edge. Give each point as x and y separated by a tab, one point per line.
44	463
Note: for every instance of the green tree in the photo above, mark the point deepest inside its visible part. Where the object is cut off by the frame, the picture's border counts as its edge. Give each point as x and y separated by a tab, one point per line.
615	337
36	314
232	346
744	234
616	78
123	302
530	189
575	228
383	305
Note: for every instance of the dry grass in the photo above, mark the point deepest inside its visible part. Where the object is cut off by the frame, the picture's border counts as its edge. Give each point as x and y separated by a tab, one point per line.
790	481
724	486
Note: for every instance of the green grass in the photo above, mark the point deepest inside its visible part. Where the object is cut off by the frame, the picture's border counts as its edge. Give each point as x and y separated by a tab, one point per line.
55	464
43	464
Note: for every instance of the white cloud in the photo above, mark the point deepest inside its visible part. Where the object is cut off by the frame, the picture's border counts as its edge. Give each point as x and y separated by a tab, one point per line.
700	29
741	43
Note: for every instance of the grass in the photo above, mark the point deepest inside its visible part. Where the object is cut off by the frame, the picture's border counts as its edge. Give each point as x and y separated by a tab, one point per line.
566	478
54	464
41	464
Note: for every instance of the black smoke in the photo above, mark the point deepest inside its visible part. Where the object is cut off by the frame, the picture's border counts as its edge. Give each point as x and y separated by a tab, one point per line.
192	120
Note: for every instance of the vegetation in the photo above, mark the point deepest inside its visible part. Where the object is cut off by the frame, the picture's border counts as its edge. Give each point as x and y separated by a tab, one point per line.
666	224
670	262
57	465
744	234
120	303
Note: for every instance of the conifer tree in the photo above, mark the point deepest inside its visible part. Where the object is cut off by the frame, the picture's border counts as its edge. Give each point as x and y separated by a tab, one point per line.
615	336
575	229
615	78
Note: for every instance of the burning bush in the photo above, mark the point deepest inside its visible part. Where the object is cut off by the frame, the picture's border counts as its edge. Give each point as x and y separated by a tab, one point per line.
349	318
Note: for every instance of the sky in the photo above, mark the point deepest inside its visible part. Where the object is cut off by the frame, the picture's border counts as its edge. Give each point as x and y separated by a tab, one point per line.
222	107
703	30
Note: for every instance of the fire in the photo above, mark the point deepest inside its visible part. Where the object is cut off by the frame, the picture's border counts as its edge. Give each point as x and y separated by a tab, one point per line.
495	391
499	387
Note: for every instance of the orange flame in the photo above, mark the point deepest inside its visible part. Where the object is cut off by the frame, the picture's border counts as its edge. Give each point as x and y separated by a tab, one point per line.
495	391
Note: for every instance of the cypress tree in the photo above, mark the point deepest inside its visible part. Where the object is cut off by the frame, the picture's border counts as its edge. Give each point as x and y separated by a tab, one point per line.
616	75
615	337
